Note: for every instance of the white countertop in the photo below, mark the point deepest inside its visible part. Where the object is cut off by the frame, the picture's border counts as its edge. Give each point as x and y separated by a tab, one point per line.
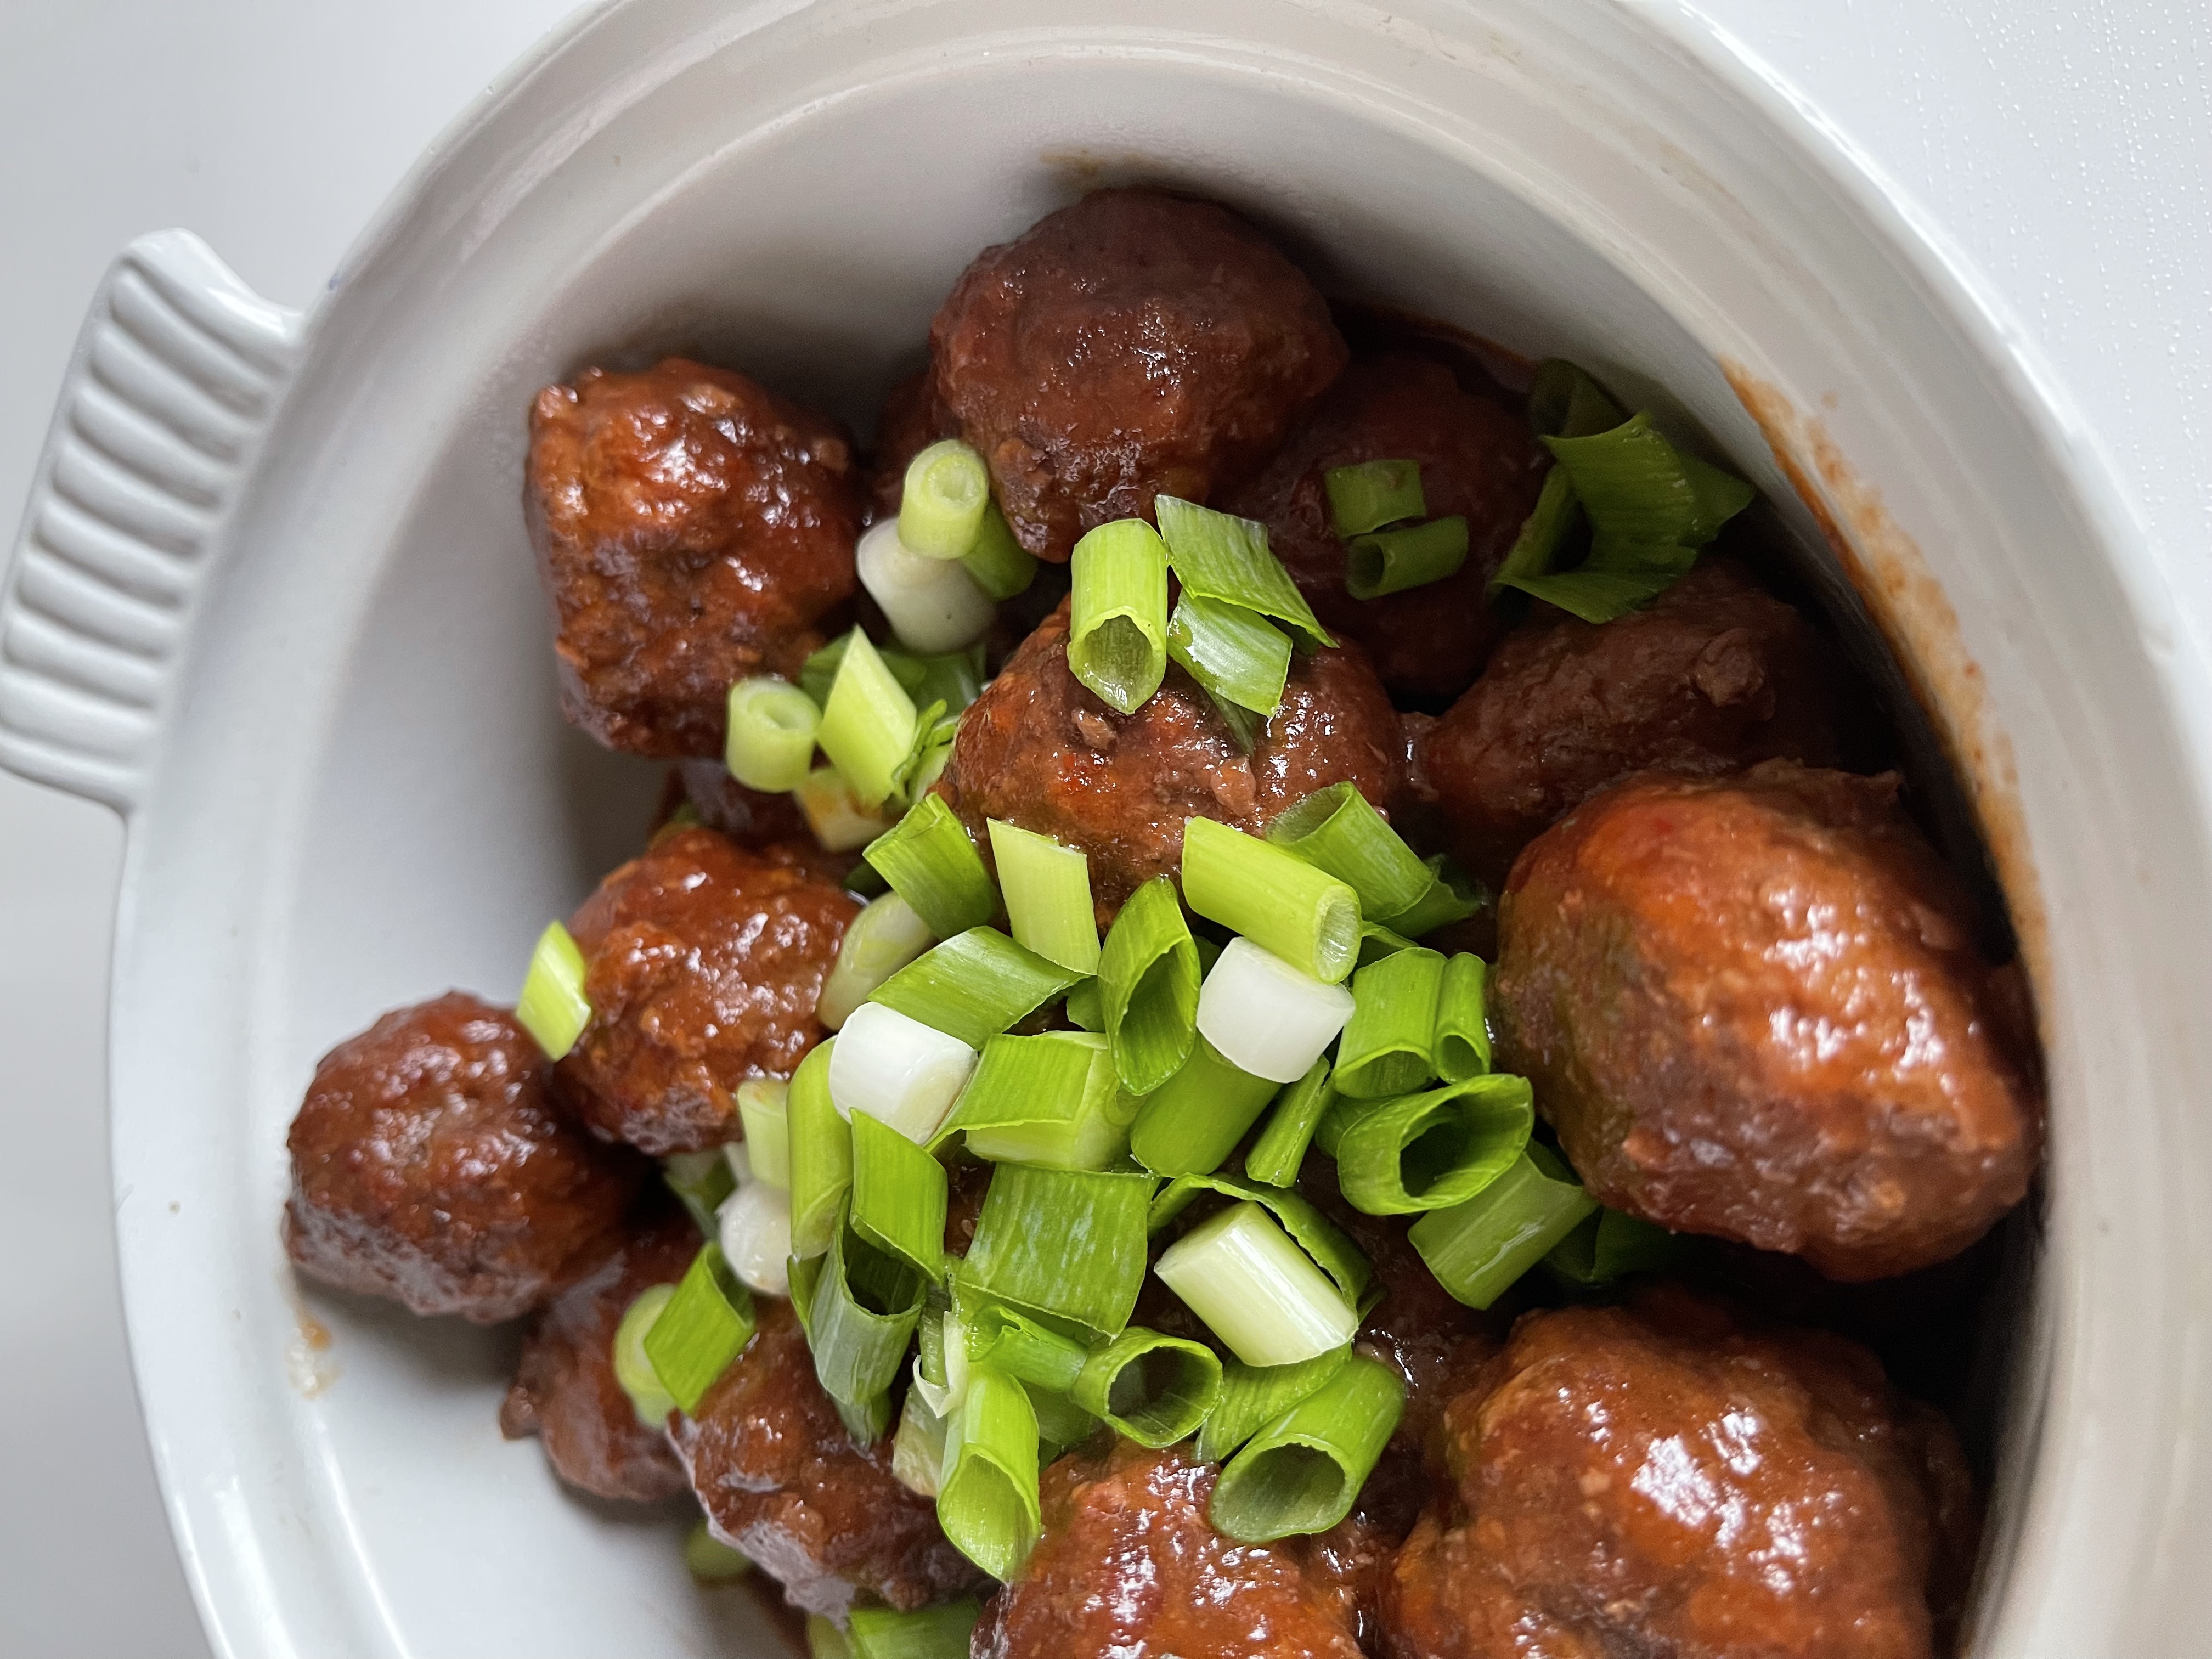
2064	150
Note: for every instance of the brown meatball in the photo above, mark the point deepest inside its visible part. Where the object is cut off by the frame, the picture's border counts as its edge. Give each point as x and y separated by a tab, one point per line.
1714	674
1133	344
1038	750
429	1165
745	816
1755	1008
691	528
1660	1481
565	1391
706	961
780	1481
1479	460
1128	1564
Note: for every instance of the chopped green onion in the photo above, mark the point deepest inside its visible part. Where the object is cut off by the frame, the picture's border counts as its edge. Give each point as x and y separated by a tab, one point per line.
1452	896
1244	726
1062	1242
1391	561
1601	596
1047	892
1237	656
1301	1472
820	1154
862	1312
897	1070
705	1326
1008	1340
1316	1235
1276	899
1367	494
1610	1245
868	725
1216	555
1478	1249
932	863
933	605
763	1108
835	816
975	985
1377	942
1564	402
1148	978
1276	1156
988	1501
1387	1042
770	741
703	1180
1265	1017
918	1448
754	1231
1337	830
899	1196
1194	1121
938	1632
1087	1007
553	1008
709	1560
1252	1397
1256	1289
1536	550
1462	1041
1150	1387
1001	566
1641	492
1429	1152
1048	1100
882	939
1118	614
941	505
633	1368
1060	1422
824	1640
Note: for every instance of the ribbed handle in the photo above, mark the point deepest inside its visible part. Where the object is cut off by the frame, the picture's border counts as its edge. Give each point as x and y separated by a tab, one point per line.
175	377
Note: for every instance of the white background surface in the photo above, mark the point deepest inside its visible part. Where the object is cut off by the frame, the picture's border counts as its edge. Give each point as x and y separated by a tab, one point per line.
2065	150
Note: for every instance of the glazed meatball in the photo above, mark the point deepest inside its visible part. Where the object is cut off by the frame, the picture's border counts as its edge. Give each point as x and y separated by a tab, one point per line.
565	1391
782	1482
1754	1007
1715	675
1038	750
1660	1481
691	528
746	816
1479	460
1129	1564
1133	344
706	961
430	1165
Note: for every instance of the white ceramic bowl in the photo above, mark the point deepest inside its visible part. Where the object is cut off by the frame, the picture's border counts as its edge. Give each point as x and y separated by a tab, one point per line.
273	603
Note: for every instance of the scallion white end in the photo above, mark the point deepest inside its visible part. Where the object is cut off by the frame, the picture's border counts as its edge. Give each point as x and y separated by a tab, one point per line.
898	1070
878	942
1255	1289
755	1233
933	605
1268	1018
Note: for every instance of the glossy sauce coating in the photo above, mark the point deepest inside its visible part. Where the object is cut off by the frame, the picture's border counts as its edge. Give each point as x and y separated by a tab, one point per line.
781	1481
431	1164
1135	344
1714	674
565	1391
1039	751
1478	459
706	960
1661	1481
692	528
1754	1007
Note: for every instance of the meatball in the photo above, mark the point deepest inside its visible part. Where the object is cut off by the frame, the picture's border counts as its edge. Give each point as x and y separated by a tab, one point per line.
691	528
429	1165
746	816
1128	1564
1661	1481
564	1389
781	1481
1715	675
1755	1008
1038	750
706	961
913	417
1133	344
1479	460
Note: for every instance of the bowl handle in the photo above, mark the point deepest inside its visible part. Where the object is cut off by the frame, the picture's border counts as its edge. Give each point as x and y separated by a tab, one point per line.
171	386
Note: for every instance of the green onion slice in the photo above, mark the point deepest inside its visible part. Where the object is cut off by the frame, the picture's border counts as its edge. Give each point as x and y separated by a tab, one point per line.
1150	1387
987	1500
1276	1156
633	1366
1001	566
1367	494
1256	1289
553	1008
940	1632
1337	829
1316	1235
941	505
1194	1121
868	724
771	733
883	938
701	1180
709	1560
1377	942
1451	896
1543	533
1386	1045
1006	1340
975	986
1391	561
705	1326
1118	614
1301	1472
918	1448
899	1196
1086	1006
1060	1422
861	1311
1148	979
1047	893
1049	1100
1462	1041
1431	1151
834	815
764	1108
1564	402
1610	1245
824	1640
1237	656
820	1154
1216	555
1252	1397
1478	1249
932	863
1275	898
1643	493
1062	1242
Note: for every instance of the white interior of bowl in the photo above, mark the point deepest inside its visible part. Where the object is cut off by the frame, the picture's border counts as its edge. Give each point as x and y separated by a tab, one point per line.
369	796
